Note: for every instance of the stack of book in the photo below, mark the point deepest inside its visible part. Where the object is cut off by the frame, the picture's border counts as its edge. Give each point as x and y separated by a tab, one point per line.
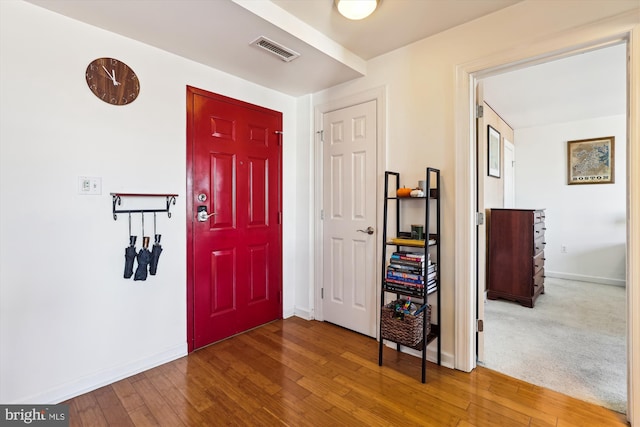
411	272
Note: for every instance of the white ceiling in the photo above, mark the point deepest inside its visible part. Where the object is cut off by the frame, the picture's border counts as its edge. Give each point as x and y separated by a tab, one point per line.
394	24
579	87
333	49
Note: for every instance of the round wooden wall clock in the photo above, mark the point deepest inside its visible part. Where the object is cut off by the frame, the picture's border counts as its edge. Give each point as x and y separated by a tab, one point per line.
112	81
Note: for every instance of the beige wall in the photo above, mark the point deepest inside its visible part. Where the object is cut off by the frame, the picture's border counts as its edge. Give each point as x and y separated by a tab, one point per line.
491	189
494	187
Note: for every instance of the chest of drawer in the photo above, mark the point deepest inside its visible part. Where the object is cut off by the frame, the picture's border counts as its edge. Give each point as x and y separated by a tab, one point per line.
538	230
538	263
538	283
538	245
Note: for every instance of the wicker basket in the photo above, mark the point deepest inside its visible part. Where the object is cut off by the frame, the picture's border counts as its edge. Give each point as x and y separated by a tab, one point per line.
406	329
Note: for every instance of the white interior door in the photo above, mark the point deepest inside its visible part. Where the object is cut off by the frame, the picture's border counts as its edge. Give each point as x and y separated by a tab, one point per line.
509	174
349	209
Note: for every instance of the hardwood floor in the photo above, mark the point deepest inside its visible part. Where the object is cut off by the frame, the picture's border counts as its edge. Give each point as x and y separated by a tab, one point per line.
307	373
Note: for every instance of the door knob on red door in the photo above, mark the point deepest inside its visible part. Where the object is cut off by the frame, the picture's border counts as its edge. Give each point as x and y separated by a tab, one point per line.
203	216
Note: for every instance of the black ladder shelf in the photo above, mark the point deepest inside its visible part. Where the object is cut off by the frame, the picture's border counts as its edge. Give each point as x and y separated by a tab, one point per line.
393	235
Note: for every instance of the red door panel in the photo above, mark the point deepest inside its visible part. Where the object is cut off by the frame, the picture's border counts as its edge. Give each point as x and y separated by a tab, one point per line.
235	256
258	271
258	192
222	185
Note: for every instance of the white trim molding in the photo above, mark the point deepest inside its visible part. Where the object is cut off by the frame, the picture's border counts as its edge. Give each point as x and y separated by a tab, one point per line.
633	228
582	278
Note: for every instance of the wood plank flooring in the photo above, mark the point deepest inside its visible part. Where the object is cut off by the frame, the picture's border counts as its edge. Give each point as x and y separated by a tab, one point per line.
307	373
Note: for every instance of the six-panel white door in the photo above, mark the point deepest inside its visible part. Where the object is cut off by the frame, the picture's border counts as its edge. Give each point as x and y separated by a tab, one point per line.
349	209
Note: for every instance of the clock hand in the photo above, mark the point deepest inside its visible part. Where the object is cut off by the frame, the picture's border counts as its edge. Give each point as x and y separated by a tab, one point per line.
115	82
108	74
111	75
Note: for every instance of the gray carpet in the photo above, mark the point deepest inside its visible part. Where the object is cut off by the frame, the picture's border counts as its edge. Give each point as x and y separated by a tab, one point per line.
573	341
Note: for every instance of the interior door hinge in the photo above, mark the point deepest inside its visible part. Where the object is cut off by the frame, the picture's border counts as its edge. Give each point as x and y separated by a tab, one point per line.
479	111
279	133
479	218
279	218
480	325
321	213
321	293
321	133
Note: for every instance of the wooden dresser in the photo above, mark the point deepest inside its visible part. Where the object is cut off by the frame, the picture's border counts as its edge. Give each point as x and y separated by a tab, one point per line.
515	263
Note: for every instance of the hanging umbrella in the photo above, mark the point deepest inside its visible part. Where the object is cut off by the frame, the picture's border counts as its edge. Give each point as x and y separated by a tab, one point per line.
156	250
144	257
130	254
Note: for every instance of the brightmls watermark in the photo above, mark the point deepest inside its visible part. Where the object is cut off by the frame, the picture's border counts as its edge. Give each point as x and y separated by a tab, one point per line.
34	415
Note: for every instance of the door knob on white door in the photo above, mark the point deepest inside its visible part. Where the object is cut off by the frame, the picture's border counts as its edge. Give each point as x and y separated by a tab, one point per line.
369	230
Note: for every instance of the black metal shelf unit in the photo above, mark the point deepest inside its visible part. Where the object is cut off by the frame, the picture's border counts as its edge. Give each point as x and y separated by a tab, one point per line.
403	241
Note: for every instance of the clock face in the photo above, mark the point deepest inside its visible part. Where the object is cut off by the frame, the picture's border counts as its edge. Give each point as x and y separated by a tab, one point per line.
112	81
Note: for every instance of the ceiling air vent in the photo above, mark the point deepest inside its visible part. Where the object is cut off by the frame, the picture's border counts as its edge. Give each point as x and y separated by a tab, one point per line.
284	53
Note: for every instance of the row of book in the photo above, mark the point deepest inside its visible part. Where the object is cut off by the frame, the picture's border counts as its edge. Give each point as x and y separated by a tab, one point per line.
411	272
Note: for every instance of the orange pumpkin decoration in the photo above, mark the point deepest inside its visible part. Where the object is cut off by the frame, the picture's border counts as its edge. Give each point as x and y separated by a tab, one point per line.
404	192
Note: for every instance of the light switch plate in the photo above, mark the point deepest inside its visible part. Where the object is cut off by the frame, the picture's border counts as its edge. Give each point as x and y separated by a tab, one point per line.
89	185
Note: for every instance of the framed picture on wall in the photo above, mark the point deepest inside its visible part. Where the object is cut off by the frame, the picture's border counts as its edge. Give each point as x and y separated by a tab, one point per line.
493	152
591	161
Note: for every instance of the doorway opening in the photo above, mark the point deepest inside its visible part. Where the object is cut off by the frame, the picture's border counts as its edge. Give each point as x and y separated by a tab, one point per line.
552	193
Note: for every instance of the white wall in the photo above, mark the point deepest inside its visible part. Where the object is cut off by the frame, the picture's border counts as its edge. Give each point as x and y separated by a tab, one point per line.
590	220
68	320
304	232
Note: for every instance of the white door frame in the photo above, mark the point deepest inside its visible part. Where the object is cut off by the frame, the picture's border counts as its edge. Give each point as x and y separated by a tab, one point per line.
379	95
623	27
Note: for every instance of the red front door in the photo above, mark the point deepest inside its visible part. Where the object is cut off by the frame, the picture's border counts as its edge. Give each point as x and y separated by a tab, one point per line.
234	250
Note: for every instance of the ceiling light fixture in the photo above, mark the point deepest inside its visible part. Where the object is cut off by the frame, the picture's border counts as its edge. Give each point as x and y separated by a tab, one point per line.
356	9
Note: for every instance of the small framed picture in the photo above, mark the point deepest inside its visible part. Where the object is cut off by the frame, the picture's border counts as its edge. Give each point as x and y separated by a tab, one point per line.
493	152
591	161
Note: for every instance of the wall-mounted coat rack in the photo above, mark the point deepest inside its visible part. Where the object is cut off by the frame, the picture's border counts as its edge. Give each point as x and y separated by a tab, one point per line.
117	200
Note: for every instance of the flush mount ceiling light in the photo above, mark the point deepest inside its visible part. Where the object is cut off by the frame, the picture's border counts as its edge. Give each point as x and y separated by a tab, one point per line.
356	9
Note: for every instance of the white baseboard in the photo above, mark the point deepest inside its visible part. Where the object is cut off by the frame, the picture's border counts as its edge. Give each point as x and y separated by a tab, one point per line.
92	382
302	313
583	278
446	359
